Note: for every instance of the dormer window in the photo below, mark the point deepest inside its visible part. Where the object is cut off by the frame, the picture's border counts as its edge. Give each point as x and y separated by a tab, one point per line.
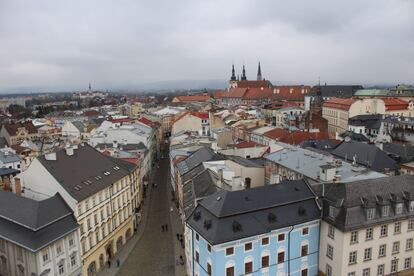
411	206
371	213
332	211
398	208
385	210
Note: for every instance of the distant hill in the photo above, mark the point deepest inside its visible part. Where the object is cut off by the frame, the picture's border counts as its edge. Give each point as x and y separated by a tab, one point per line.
184	84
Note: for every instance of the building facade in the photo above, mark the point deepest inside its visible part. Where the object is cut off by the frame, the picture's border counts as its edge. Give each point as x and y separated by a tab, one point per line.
100	195
275	233
367	227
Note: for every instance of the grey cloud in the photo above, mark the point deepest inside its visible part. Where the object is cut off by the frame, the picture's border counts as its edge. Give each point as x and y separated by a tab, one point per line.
63	45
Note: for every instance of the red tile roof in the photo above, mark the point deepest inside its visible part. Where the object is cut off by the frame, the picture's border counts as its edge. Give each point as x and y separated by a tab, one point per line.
13	128
246	144
294	137
219	94
395	104
258	93
276	133
253	83
339	103
297	137
235	93
193	98
201	115
121	120
147	122
291	92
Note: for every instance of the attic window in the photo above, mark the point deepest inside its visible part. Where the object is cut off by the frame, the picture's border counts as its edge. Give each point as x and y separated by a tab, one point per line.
197	215
98	177
301	211
236	226
106	173
207	224
87	182
271	217
116	168
78	187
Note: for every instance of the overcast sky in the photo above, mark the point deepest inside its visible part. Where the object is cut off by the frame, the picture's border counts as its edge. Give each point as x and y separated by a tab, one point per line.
52	45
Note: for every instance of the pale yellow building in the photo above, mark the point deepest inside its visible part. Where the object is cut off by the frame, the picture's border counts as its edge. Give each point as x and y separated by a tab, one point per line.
338	110
102	191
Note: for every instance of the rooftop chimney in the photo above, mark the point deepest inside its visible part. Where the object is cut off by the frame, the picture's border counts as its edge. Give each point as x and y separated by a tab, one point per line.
51	156
6	183
17	186
69	151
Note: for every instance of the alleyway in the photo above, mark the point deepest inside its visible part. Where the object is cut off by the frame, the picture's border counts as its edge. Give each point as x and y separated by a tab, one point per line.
154	252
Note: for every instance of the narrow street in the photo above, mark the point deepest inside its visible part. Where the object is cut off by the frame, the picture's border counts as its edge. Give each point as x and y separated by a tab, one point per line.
154	252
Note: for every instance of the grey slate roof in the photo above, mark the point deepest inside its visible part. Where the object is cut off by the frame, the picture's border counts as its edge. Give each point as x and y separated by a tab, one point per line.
341	91
84	165
319	144
256	211
202	155
243	161
358	137
198	187
79	125
399	152
366	155
34	224
370	121
347	197
9	157
8	171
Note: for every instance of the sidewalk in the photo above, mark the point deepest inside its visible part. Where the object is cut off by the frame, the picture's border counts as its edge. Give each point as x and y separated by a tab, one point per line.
130	245
176	227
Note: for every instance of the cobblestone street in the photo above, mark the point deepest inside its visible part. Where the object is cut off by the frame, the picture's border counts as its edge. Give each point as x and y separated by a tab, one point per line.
154	253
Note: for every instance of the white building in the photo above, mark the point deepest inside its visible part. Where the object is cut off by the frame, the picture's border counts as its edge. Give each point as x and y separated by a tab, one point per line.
368	227
38	237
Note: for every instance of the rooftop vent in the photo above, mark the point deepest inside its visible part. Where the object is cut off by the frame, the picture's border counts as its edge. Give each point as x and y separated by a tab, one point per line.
116	168
197	215
207	224
301	211
78	187
236	226
218	198
87	182
271	217
106	173
98	177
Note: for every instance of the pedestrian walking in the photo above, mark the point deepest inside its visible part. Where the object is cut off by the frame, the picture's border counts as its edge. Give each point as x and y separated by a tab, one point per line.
109	263
162	228
118	262
171	209
166	227
178	237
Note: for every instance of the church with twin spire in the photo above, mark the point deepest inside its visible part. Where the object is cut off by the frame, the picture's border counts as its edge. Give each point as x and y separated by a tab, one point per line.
243	82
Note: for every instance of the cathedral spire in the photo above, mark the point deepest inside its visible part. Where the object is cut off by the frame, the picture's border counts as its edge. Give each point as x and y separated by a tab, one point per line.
243	77
233	74
90	87
259	73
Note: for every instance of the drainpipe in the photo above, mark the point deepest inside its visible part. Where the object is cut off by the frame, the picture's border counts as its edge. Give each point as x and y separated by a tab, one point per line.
192	249
290	231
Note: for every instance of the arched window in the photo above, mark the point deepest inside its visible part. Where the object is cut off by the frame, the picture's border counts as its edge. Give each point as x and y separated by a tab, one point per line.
92	268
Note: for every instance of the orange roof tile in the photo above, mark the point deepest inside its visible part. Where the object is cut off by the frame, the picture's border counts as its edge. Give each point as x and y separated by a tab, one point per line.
339	103
193	98
395	104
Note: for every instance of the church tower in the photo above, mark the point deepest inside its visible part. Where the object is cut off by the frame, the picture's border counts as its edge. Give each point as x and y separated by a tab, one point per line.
259	73
243	77
233	74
